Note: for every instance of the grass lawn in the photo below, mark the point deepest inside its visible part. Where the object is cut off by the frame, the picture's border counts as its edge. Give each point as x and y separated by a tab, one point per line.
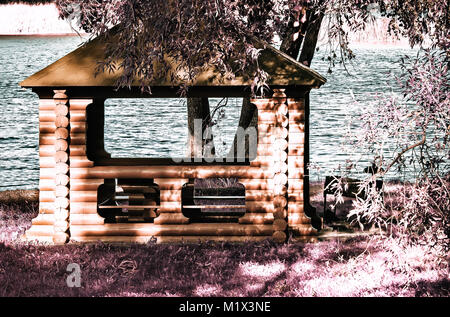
370	266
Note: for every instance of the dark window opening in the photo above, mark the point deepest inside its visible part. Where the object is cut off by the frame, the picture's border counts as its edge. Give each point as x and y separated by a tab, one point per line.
128	200
213	200
154	131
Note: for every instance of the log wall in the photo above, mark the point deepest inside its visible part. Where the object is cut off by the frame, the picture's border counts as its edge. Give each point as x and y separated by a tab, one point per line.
69	181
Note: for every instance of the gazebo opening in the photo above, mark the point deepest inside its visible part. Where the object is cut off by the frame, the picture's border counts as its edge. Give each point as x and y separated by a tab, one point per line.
130	130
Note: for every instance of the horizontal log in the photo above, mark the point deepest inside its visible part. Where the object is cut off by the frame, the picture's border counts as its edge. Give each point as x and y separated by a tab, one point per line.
83	196
46	104
77	116
265	218
266	127
175	218
47	173
47	139
168	239
296	138
47	127
295	208
83	207
39	231
47	116
47	196
295	185
85	184
296	104
46	207
303	230
80	161
295	197
298	218
259	206
43	220
170	183
263	103
256	184
46	161
47	185
296	117
264	150
262	161
77	150
78	127
296	128
266	139
266	115
86	219
79	104
207	229
105	172
295	162
296	149
78	138
258	195
296	173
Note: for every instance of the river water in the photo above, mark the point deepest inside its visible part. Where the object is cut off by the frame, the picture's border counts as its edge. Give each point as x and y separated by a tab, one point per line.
20	57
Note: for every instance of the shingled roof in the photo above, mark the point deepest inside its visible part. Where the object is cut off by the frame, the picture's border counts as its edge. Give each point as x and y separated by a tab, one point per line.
78	69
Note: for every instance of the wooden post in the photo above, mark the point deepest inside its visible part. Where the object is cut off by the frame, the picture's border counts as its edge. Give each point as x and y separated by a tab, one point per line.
298	222
62	142
279	148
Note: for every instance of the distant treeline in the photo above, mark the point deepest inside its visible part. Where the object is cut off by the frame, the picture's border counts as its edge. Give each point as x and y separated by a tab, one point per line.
26	1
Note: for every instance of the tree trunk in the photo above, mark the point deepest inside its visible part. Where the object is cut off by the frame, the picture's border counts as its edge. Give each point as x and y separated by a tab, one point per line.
310	41
248	118
201	143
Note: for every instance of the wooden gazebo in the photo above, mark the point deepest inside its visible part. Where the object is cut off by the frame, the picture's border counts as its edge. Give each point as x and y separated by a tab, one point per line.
76	171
